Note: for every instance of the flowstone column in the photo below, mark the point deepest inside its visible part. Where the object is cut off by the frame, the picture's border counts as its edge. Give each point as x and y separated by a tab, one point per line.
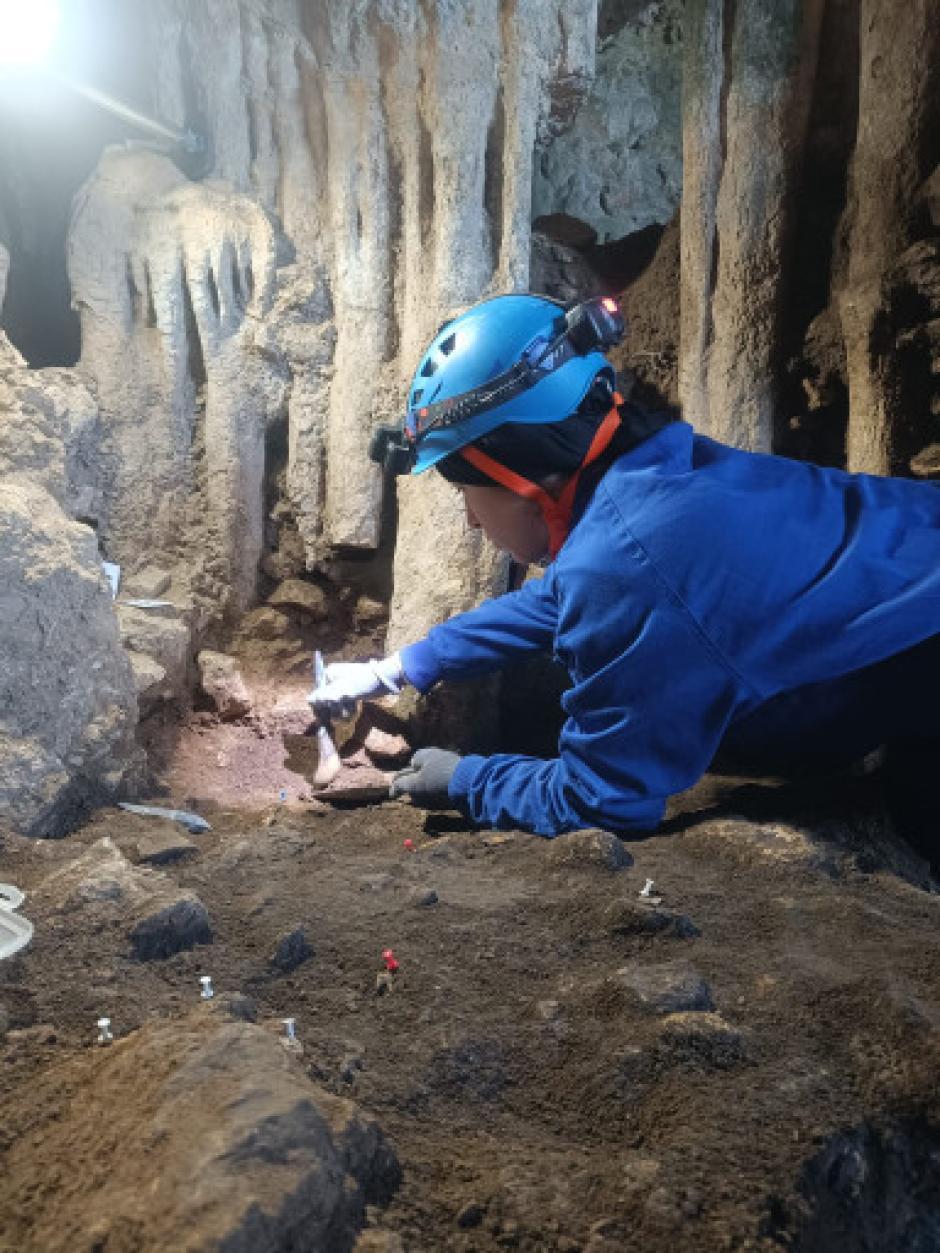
896	150
748	74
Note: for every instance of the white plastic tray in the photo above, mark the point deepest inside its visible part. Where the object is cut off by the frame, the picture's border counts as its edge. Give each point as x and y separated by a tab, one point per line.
15	932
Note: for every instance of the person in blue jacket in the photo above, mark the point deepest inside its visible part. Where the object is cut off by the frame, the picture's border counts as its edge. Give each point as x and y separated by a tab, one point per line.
700	597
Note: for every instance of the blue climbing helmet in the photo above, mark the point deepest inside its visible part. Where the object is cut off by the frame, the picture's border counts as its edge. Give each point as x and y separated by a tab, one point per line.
509	359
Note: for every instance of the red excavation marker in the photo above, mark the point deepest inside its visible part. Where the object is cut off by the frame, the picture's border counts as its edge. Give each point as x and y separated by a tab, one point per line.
409	846
391	965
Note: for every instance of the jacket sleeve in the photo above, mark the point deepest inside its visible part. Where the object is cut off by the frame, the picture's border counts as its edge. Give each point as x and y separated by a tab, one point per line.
643	724
486	638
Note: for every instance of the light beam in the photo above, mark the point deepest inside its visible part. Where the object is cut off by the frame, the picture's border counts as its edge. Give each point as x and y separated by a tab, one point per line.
27	31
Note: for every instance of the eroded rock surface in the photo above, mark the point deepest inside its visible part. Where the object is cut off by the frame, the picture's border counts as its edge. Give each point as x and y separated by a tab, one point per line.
241	1150
67	702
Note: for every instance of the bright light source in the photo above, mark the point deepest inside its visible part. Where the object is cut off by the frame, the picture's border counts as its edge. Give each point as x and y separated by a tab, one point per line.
27	30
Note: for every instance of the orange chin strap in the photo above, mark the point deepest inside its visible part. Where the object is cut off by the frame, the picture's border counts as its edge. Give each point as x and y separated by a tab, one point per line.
556	512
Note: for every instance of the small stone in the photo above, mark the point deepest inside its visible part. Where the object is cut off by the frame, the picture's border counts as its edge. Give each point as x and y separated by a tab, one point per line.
148	583
589	848
471	1215
265	624
550	1011
160	847
369	613
235	1006
636	917
376	882
926	464
299	594
702	1038
172	928
350	1067
666	989
223	684
422	897
386	749
293	949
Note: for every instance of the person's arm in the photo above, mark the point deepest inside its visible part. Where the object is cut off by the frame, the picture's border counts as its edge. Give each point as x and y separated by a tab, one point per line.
486	638
641	726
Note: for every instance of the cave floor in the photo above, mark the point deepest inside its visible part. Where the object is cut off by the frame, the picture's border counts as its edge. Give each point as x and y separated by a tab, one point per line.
532	1101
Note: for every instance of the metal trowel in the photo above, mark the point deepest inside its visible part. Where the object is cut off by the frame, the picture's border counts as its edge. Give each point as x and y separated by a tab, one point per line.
328	763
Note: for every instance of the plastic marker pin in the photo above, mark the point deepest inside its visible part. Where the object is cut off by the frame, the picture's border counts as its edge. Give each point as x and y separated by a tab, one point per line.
647	889
409	846
207	992
290	1028
104	1031
391	963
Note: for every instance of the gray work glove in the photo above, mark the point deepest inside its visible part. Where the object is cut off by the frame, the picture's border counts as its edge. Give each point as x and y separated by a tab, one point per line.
427	778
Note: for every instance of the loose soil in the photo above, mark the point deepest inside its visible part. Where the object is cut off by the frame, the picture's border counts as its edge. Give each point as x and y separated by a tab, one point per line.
531	1103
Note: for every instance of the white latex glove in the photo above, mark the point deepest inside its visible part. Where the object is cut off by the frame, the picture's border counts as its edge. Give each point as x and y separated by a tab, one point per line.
348	682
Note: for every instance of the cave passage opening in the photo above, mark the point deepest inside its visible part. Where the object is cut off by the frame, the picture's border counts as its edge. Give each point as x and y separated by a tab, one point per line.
51	139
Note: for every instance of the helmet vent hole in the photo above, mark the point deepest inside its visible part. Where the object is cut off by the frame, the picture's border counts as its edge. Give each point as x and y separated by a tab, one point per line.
428	368
447	345
416	395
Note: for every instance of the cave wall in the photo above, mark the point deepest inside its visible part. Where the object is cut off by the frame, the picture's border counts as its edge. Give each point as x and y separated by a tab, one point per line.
387	182
372	167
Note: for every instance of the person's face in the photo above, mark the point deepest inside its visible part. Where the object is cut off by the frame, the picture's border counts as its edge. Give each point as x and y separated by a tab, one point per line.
513	523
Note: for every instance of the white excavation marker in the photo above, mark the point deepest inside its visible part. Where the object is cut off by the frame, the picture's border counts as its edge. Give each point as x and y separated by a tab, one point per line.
207	992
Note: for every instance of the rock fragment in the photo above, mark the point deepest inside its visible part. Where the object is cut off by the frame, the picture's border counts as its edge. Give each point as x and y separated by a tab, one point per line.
222	682
385	748
668	988
158	848
148	583
101	886
292	950
422	898
589	848
239	1149
171	926
308	598
634	917
702	1039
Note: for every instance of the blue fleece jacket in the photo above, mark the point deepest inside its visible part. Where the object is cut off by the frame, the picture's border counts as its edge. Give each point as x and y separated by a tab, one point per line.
699	582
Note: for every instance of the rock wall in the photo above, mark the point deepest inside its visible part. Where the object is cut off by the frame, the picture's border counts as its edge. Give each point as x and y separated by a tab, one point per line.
364	182
67	701
892	288
747	85
172	279
618	167
67	705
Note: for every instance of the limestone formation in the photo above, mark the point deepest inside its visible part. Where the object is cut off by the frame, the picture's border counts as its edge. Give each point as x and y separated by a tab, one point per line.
222	682
171	279
67	705
50	433
618	167
364	183
747	79
900	48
